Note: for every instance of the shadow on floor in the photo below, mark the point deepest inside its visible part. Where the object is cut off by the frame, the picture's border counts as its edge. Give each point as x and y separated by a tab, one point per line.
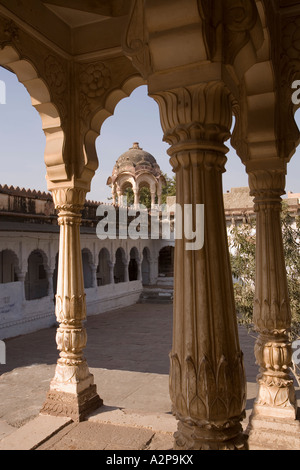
137	338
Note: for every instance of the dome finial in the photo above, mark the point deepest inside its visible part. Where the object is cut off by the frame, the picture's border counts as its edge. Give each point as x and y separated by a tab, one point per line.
136	146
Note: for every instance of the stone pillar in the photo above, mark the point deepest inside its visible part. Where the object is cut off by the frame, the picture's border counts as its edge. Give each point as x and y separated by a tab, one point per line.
50	273
114	195
136	197
207	380
126	270
72	391
94	275
120	198
153	196
153	274
272	317
139	273
159	199
112	272
22	277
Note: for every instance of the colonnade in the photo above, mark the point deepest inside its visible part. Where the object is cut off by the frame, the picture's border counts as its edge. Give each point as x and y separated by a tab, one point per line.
99	268
203	62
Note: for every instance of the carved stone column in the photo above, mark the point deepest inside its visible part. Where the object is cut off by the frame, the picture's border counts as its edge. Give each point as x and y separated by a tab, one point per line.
94	275
111	272
153	274
120	198
50	273
207	380
159	198
153	197
72	391
114	195
22	278
139	272
126	270
136	197
272	317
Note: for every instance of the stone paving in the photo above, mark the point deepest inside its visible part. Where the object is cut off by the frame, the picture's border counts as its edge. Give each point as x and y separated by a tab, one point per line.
128	353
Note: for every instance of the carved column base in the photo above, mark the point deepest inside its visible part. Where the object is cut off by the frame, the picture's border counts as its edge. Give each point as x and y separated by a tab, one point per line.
71	378
276	396
192	437
267	433
72	392
274	390
76	407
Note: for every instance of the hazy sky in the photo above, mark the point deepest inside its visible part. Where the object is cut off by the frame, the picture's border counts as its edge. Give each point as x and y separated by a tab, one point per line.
136	119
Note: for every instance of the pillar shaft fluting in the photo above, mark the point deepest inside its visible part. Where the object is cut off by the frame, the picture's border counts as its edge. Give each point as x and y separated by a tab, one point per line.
72	390
207	380
272	315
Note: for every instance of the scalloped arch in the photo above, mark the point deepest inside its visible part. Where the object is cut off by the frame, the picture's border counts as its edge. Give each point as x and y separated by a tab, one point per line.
100	115
41	101
39	251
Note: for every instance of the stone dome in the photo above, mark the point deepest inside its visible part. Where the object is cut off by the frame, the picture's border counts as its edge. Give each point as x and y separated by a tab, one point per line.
136	168
136	159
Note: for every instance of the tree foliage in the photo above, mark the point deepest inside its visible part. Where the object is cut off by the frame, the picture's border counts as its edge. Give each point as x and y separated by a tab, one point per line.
242	253
242	242
169	189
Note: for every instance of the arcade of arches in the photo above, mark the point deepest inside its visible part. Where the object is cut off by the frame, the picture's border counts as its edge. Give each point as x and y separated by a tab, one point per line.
203	62
113	276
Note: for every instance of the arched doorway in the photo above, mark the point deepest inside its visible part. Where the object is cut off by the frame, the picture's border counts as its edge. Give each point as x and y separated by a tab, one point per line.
103	271
166	261
36	282
87	268
119	271
146	267
9	266
133	268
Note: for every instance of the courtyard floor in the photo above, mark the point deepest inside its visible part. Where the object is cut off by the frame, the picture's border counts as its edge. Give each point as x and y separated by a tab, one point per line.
128	354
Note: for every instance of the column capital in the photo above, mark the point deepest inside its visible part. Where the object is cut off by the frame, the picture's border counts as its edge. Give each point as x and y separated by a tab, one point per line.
69	199
196	121
201	112
267	186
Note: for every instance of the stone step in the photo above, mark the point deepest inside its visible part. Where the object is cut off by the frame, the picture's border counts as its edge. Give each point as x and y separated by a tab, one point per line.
282	425
156	296
271	439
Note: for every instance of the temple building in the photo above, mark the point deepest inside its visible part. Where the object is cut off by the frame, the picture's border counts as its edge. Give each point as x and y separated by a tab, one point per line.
136	169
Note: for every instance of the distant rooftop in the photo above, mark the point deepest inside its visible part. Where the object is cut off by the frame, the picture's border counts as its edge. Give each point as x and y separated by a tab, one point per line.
239	201
292	195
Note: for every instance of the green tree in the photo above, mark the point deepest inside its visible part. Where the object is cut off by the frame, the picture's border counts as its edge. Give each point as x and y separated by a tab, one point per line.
291	242
242	242
242	254
169	188
145	196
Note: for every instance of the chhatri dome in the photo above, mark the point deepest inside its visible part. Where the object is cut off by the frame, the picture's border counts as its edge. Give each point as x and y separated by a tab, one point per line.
136	168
